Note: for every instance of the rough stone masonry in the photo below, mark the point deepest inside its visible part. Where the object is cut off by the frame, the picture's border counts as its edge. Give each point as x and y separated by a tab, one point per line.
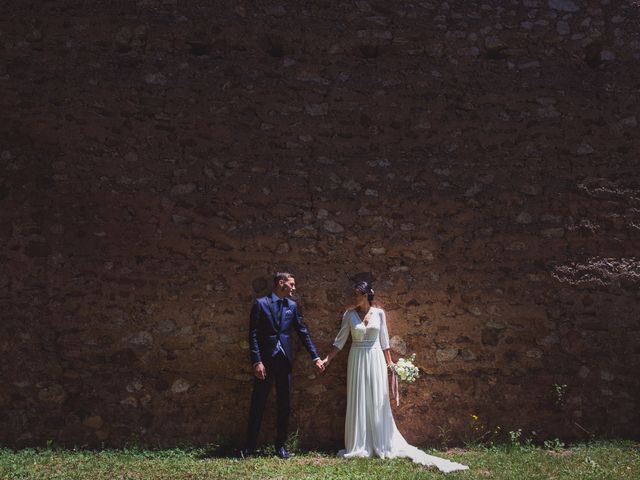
160	158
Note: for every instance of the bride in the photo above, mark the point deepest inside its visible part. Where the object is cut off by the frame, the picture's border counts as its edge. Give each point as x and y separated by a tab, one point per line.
369	426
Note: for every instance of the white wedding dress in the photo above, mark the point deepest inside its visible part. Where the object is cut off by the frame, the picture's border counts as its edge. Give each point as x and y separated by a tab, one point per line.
369	426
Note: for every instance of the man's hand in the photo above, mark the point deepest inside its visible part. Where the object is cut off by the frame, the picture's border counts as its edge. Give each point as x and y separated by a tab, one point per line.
259	371
320	365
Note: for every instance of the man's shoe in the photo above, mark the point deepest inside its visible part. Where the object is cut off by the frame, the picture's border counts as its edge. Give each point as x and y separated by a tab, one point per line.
282	453
247	452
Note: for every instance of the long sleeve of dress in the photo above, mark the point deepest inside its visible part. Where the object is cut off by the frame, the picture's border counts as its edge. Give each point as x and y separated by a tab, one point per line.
343	334
384	333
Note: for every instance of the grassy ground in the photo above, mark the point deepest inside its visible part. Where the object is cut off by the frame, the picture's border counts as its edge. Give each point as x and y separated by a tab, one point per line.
597	460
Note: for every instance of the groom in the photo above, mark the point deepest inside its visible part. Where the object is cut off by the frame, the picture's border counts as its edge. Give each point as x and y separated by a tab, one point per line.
272	320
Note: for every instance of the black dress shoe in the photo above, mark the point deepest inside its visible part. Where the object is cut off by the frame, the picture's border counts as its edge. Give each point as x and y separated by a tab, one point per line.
247	452
282	453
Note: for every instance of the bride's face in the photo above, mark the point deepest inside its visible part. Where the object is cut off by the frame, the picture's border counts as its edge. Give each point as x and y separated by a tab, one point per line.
359	298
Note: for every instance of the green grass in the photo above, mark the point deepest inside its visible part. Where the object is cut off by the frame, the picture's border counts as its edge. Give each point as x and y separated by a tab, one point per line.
597	460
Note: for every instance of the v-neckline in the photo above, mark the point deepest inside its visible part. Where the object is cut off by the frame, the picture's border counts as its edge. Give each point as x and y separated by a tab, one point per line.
366	324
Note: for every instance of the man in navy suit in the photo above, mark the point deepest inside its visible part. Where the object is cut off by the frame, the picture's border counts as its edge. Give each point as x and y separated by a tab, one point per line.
272	321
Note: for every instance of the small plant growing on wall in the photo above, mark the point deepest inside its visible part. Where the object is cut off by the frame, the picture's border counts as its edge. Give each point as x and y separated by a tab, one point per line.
560	391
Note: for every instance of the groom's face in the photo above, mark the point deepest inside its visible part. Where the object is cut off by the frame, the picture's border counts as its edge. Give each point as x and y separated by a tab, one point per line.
288	286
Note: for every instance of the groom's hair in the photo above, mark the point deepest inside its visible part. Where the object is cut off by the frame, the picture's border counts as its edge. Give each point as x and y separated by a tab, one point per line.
282	276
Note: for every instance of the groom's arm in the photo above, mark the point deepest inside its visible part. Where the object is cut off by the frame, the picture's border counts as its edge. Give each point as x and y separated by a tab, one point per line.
305	336
253	334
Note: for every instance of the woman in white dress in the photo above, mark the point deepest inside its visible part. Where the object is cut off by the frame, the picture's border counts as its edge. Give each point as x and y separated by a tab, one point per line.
369	426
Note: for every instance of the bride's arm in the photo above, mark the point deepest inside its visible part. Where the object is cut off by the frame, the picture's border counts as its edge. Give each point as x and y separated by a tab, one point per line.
340	340
384	338
332	354
387	356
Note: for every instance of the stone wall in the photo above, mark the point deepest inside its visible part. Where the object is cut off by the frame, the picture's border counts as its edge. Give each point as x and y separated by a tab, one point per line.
159	159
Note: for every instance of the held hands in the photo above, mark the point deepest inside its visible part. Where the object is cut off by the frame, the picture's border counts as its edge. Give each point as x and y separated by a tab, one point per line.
320	364
327	360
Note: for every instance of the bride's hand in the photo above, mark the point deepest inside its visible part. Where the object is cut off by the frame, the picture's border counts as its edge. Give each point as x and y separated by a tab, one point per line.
326	361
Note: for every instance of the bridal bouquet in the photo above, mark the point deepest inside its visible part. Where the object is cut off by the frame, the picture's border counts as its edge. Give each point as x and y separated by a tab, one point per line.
405	369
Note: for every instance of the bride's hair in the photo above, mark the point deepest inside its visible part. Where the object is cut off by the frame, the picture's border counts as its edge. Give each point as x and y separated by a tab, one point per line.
365	288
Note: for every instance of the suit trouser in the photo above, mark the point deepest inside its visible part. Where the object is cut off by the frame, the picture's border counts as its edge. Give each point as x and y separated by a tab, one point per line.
278	372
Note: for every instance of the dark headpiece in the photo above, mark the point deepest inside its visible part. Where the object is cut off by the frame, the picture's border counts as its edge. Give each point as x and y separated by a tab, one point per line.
364	287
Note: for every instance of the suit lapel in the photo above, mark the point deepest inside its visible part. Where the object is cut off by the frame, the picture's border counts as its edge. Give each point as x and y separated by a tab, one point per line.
274	313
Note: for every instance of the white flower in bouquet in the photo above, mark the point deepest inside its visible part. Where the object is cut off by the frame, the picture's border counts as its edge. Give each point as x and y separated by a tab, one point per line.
406	370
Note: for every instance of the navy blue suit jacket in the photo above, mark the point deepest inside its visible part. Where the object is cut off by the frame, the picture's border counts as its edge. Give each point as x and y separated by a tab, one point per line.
265	330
